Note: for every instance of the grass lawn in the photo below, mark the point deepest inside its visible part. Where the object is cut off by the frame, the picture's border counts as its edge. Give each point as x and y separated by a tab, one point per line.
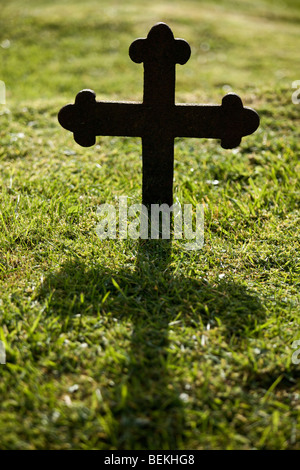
120	344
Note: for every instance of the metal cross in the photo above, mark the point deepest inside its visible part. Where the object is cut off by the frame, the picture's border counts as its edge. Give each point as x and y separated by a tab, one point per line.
158	120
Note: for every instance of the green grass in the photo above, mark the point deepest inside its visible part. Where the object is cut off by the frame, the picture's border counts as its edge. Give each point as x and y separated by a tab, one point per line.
129	345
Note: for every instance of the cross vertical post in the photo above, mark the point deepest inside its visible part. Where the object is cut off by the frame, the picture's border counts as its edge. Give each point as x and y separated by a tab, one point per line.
159	53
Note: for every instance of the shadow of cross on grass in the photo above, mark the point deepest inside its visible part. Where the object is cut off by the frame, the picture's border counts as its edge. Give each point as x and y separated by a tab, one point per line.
157	120
145	402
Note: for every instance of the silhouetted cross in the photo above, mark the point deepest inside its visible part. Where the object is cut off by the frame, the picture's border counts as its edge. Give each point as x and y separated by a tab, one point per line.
157	120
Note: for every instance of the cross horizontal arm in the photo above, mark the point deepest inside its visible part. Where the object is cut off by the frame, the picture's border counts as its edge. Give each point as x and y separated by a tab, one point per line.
88	118
228	122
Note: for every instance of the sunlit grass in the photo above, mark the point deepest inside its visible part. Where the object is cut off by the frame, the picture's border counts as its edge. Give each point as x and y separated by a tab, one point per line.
119	344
